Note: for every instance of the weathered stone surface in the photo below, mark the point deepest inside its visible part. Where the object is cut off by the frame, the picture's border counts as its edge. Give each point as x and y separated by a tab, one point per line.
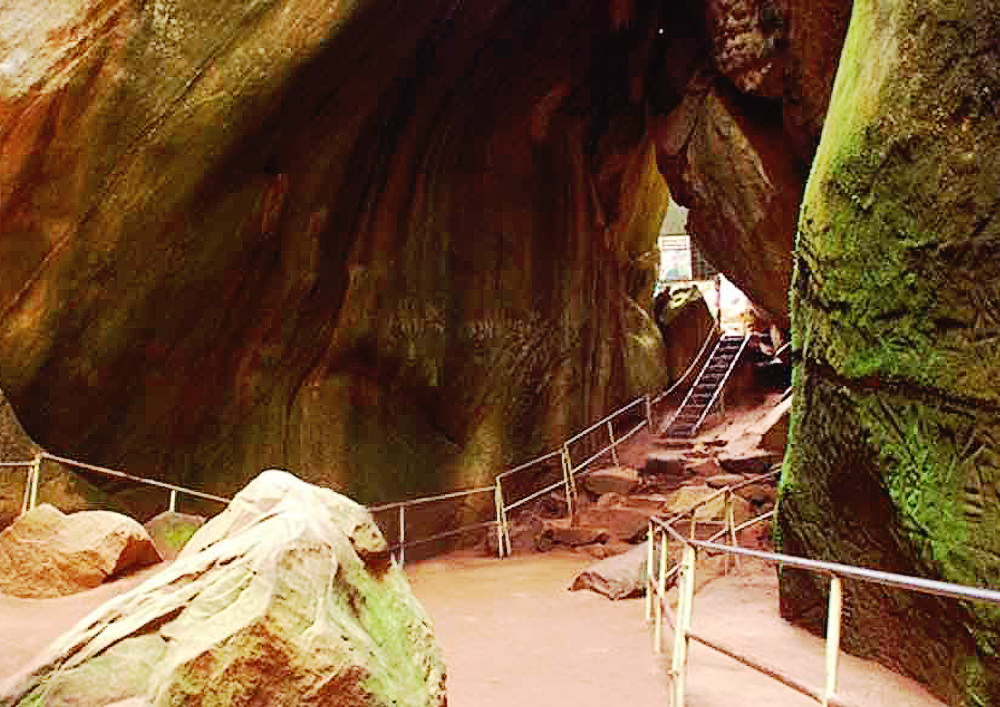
737	160
170	531
775	435
705	468
684	321
395	246
750	462
665	463
762	494
616	479
715	509
563	532
721	480
286	598
47	553
618	577
894	442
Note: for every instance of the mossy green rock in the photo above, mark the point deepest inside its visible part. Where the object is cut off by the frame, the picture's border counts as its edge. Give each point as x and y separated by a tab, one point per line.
288	597
894	455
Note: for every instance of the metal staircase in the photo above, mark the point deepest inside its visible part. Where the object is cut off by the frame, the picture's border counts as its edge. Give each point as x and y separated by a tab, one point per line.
707	388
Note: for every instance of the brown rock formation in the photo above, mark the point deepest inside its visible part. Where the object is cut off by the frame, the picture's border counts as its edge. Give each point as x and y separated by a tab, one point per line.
389	245
47	553
746	83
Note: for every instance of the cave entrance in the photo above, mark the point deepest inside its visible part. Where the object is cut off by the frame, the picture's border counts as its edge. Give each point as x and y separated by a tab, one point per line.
682	265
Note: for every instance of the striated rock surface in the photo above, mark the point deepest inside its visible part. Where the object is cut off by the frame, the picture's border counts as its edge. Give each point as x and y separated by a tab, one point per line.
685	322
390	245
738	109
47	553
894	458
286	598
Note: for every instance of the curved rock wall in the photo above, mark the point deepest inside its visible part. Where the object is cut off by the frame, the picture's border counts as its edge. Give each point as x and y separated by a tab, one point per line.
393	246
894	458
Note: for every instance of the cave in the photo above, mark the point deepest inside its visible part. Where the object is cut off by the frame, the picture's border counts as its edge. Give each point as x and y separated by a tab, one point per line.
398	247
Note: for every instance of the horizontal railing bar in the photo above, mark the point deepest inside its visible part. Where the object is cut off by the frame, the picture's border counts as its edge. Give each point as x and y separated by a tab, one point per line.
899	581
139	479
430	499
446	534
588	462
756	479
536	494
603	420
2	464
628	435
741	526
522	467
769	670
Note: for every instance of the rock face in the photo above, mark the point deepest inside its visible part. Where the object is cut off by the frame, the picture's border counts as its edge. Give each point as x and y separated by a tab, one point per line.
288	597
391	246
46	553
894	459
684	321
742	92
171	531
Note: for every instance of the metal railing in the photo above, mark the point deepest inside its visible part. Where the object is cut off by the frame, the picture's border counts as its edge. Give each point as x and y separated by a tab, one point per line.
656	610
35	472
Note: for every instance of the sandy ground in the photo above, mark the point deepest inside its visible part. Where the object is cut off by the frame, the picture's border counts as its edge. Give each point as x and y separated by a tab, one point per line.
512	633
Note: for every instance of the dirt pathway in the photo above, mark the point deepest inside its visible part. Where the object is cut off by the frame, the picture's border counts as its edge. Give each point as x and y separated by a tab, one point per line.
513	634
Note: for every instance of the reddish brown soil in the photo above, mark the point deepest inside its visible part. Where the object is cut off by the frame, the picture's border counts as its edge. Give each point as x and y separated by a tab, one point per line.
513	634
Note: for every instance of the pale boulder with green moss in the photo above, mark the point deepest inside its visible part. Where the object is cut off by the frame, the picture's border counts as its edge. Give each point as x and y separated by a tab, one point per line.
894	453
288	597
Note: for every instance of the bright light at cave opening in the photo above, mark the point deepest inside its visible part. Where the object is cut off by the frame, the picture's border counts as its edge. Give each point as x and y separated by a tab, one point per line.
682	264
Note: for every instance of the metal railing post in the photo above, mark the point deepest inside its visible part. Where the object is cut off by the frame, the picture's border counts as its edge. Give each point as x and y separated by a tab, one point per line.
685	600
173	500
661	591
614	450
650	539
567	466
503	532
833	638
649	411
402	536
36	471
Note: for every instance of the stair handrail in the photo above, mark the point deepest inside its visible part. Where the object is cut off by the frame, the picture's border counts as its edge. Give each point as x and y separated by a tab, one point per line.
694	385
712	333
722	383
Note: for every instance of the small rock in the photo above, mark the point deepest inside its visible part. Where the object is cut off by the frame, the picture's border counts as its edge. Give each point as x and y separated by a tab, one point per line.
705	468
666	463
170	532
47	553
562	532
762	493
616	479
722	480
610	500
757	462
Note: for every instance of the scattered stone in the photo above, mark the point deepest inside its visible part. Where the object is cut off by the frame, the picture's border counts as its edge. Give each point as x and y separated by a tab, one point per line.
611	499
687	496
47	553
664	463
775	437
170	531
706	468
617	577
615	479
756	462
722	480
288	597
608	549
622	523
760	494
563	532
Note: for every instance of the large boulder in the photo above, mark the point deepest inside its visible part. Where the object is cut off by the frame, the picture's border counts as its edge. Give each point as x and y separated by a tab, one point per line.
742	87
685	321
47	553
394	245
289	597
894	452
170	531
